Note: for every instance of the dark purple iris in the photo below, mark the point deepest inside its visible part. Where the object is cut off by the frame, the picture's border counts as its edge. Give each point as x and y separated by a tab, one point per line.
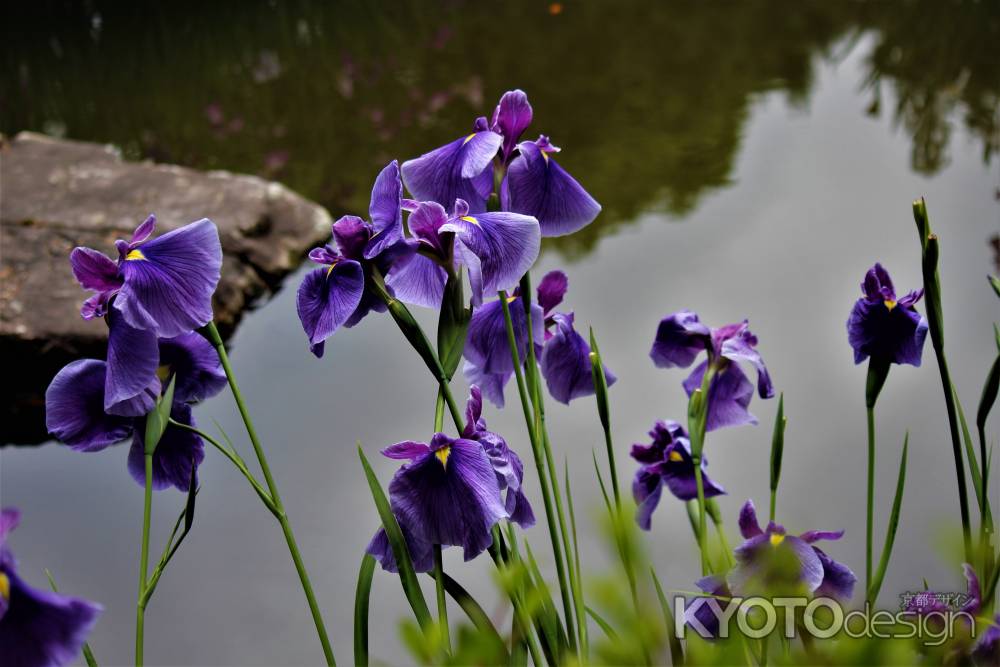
75	414
666	460
37	628
563	354
163	285
770	562
532	182
451	492
340	292
681	338
986	651
496	248
884	328
159	288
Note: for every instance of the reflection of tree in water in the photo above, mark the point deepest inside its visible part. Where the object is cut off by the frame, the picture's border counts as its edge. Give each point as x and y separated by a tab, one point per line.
648	100
939	59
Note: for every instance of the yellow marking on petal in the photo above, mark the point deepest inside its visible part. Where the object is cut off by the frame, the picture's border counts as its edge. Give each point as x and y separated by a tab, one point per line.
4	586
134	255
546	156
469	218
675	456
163	372
776	539
330	270
512	298
890	304
468	138
443	454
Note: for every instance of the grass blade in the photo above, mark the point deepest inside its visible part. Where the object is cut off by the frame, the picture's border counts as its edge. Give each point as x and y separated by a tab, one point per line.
473	610
890	535
362	597
407	577
777	450
604	625
676	650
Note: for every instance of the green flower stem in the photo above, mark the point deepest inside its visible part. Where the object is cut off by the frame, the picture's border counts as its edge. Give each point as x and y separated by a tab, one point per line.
236	461
697	419
140	610
870	517
541	430
543	480
286	529
521	620
442	602
930	251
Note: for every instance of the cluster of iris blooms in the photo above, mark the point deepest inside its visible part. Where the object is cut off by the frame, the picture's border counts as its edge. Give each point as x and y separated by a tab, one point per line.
477	206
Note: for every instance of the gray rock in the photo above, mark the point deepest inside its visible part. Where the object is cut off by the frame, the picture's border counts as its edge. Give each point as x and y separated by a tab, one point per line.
56	194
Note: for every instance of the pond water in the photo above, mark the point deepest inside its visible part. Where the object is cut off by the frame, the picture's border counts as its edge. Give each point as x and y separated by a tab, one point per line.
751	163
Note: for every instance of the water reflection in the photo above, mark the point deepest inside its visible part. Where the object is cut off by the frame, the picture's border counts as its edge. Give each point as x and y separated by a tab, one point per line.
650	100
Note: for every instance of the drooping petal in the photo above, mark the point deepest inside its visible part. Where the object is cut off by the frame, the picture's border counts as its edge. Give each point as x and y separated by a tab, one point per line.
491	384
749	526
838	580
743	347
456	170
551	290
512	117
169	281
537	186
811	536
517	504
728	397
504	245
418	281
406	450
385	211
327	297
74	408
370	302
94	270
647	487
566	362
131	385
894	333
486	345
775	564
43	628
680	337
421	553
449	496
177	452
195	366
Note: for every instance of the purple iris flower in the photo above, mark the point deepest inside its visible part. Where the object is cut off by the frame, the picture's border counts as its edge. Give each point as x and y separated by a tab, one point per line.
340	292
563	354
714	587
681	337
447	494
505	461
159	288
164	285
37	628
772	562
666	461
497	249
884	328
927	602
75	414
531	181
509	475
986	651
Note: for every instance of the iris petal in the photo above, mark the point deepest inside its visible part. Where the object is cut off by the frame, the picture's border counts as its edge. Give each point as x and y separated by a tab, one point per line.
327	297
386	211
74	408
566	362
131	387
458	170
94	270
169	289
537	186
